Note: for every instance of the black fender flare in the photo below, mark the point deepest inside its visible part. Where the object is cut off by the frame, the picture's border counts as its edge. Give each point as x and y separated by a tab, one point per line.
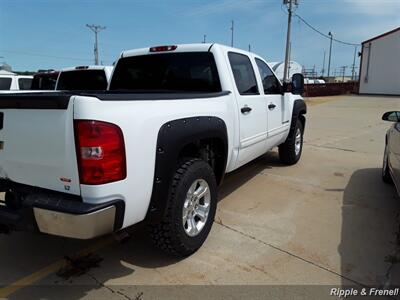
173	136
299	108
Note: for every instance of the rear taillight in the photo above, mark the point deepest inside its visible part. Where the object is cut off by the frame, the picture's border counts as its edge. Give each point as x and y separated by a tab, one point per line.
100	152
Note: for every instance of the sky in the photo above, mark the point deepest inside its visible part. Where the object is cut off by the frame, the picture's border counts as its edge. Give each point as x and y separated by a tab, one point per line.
51	34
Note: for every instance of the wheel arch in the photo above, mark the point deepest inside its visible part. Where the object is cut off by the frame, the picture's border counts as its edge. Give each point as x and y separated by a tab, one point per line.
298	112
196	137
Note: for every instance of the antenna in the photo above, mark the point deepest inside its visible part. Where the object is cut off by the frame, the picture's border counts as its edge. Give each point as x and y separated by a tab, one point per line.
232	29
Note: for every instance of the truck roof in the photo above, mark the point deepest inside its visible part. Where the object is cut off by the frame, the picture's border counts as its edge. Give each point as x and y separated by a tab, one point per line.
47	73
199	47
93	67
15	76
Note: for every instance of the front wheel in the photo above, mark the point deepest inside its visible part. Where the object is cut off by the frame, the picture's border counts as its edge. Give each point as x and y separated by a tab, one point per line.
290	151
190	211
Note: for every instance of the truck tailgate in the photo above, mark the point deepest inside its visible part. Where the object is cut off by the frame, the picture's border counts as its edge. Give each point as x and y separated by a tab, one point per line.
37	145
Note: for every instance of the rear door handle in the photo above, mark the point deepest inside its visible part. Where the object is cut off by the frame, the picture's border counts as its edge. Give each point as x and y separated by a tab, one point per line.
271	106
245	109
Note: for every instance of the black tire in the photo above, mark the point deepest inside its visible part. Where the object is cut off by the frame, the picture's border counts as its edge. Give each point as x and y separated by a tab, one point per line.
169	235
287	150
386	177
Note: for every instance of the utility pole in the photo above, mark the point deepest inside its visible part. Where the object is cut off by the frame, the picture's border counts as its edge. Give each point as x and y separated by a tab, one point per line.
204	38
232	29
330	53
353	76
343	72
289	4
249	48
96	29
323	65
290	57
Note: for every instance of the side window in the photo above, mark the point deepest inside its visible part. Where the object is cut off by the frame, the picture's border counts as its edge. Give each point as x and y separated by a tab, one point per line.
244	74
25	83
271	84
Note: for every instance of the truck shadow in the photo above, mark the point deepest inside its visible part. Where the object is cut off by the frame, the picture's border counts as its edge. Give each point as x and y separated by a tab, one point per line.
136	253
239	177
370	227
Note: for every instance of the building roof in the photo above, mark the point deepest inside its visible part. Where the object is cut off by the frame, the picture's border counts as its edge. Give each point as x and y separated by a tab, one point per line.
381	35
4	72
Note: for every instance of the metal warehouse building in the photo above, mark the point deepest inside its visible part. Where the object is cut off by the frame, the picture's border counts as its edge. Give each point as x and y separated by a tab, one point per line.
380	64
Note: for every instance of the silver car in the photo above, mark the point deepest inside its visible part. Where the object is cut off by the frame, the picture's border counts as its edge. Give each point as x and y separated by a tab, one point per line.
391	157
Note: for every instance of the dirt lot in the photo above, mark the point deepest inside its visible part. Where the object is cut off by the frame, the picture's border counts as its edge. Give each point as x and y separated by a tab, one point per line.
327	221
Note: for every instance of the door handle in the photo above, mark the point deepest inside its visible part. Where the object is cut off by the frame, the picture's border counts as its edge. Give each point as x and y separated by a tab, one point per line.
245	109
271	106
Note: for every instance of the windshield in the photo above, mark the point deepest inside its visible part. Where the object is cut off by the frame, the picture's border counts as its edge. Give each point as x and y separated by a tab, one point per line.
82	80
5	83
167	72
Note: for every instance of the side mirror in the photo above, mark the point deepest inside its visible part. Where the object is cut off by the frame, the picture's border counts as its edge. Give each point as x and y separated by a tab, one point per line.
391	116
298	84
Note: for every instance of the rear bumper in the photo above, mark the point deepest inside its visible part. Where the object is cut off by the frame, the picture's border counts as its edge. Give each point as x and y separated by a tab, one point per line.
58	214
84	226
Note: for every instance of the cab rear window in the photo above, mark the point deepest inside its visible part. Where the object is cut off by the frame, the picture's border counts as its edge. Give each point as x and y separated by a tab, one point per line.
25	83
5	83
167	72
94	80
44	82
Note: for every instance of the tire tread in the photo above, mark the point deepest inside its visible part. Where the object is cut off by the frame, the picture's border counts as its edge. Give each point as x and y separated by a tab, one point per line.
163	234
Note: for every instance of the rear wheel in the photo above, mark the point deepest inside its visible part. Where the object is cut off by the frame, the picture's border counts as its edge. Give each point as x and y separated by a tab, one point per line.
386	177
290	151
190	210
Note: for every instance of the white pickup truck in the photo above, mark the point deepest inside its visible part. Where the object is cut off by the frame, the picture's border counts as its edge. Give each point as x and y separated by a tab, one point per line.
154	147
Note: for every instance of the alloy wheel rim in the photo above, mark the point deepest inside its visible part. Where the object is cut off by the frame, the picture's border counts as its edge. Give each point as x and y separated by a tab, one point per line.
196	207
297	142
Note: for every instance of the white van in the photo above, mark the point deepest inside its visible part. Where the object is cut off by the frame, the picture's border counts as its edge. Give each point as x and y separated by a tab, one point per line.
15	82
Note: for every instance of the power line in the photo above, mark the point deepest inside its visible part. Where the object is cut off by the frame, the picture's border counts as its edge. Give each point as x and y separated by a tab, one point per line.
44	55
323	34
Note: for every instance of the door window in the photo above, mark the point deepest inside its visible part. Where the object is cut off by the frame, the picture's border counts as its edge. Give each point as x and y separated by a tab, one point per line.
244	74
271	84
